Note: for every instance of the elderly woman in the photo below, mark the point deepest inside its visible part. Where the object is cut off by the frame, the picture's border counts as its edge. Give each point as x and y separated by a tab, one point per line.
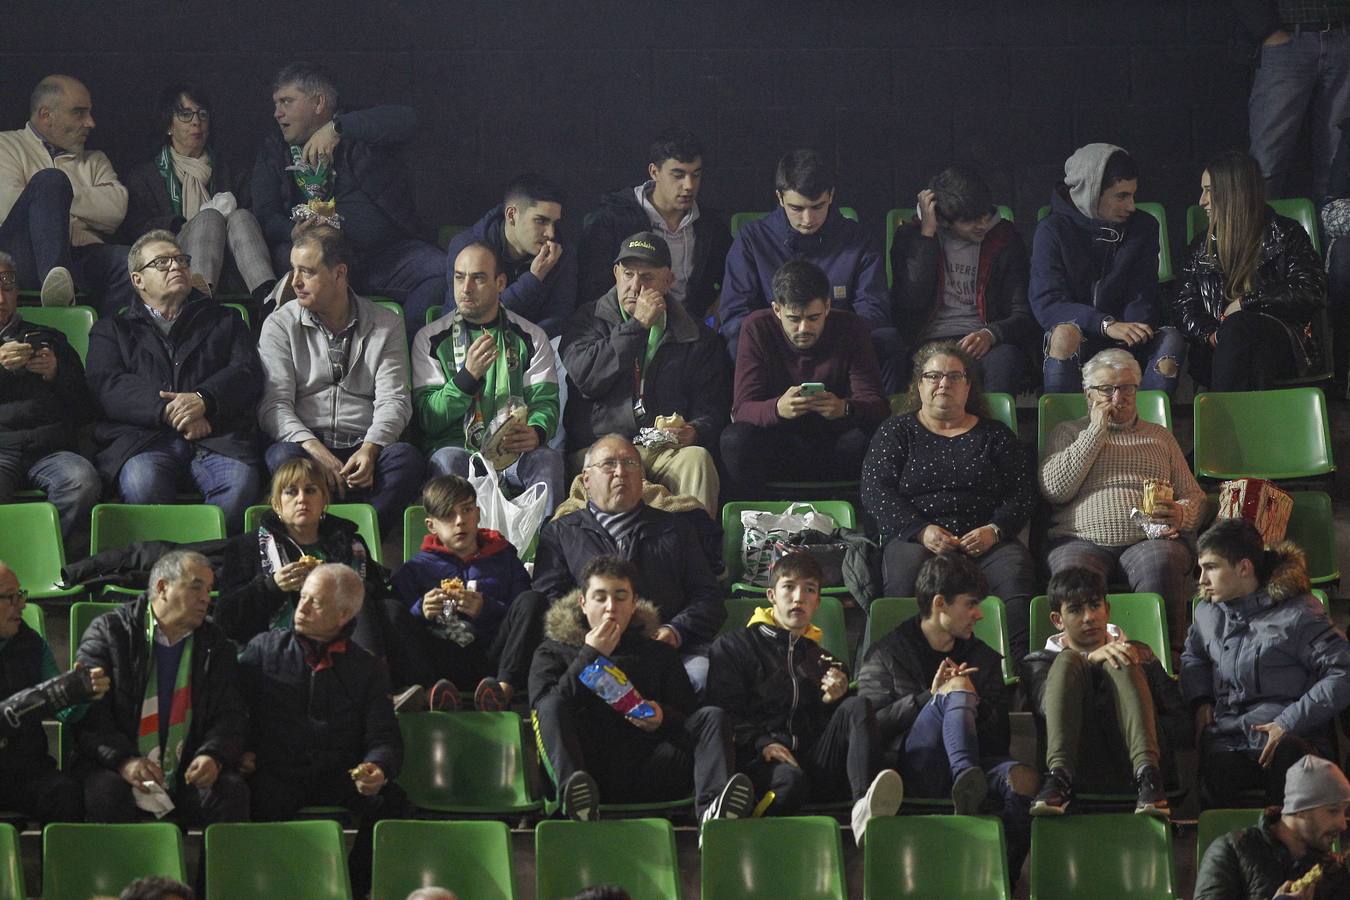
1252	286
188	189
946	478
1093	474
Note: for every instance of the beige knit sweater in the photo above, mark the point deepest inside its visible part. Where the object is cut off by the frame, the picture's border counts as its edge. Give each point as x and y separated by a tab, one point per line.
100	201
1093	476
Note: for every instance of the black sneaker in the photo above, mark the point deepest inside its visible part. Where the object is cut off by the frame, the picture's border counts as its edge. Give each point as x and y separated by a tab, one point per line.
1152	798
1055	795
968	791
580	798
736	801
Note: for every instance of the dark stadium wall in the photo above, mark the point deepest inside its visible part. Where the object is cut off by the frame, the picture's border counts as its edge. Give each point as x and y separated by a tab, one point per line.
894	89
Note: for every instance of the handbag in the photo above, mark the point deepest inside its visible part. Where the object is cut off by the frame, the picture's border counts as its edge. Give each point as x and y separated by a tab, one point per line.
518	518
828	551
761	528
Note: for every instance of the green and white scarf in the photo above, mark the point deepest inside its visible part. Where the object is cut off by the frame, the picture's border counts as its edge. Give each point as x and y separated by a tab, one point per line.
168	754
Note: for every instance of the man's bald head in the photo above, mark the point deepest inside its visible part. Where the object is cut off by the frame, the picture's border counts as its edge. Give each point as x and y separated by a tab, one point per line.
60	110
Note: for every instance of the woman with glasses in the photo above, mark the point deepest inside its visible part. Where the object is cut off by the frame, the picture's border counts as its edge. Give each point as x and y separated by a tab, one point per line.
1252	286
944	477
189	190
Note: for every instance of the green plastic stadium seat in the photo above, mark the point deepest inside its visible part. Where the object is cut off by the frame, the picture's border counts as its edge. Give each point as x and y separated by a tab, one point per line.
1068	862
81	861
285	861
745	218
72	321
363	514
1300	209
1141	616
829	619
81	614
1311	527
952	857
11	865
387	302
839	510
1215	823
35	618
118	524
243	312
885	613
465	762
30	543
414	530
473	859
1153	406
796	857
1003	407
446	233
571	856
1165	272
1276	434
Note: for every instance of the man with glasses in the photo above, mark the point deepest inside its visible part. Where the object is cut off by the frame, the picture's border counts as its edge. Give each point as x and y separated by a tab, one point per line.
1094	474
31	689
672	572
177	378
808	393
633	357
336	387
59	203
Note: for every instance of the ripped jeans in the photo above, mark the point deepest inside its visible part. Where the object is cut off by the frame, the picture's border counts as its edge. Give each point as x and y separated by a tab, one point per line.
1064	376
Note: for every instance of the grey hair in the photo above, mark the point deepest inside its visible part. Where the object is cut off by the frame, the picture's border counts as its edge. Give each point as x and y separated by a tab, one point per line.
350	590
1114	358
612	436
134	260
310	79
48	91
172	566
7	260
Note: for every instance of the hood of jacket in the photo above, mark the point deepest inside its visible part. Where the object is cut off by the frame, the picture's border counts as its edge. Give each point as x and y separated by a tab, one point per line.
565	623
1289	578
1083	176
490	543
763	615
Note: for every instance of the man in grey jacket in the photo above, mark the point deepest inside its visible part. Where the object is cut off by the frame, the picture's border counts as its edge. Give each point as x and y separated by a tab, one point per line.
1264	669
337	382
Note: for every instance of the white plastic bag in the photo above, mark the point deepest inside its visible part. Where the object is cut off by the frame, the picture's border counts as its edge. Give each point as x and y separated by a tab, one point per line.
518	519
762	528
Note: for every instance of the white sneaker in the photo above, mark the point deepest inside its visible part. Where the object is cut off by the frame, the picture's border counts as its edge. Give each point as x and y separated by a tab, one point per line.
58	288
411	700
883	798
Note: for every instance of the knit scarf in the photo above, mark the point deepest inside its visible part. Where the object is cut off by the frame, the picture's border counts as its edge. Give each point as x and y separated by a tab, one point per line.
187	179
496	390
315	182
169	754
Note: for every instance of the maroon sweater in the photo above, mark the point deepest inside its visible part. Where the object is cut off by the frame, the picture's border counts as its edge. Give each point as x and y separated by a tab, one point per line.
767	364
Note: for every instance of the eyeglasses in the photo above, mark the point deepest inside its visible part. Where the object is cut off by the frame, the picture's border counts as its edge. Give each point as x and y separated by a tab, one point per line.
935	377
610	466
1106	390
165	263
19	596
183	114
9	279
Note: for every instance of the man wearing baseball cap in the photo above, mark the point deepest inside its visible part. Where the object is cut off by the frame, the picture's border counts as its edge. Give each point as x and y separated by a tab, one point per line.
632	358
1272	858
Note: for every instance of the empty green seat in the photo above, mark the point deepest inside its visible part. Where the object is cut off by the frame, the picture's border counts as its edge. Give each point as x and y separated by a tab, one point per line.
953	857
636	854
841	511
1311	527
11	865
1121	856
276	861
829	619
1153	406
465	762
35	618
1263	434
885	613
1141	616
473	859
30	544
363	514
795	857
72	321
80	861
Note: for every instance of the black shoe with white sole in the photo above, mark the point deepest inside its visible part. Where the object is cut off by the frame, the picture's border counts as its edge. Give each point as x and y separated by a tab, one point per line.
580	797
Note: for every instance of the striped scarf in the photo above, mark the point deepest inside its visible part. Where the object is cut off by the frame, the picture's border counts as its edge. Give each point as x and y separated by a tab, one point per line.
169	753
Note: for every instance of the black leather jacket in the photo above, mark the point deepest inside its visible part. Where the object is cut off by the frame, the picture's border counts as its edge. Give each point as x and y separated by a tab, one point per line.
1290	287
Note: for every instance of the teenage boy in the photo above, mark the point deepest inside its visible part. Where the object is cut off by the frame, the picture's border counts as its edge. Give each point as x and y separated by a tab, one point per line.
799	733
1094	690
459	636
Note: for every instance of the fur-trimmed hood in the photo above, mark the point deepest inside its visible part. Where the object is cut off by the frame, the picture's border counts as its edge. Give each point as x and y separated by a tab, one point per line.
565	623
1289	578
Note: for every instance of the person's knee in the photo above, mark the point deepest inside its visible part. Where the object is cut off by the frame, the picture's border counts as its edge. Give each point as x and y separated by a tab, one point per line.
856	710
1024	780
1070	665
1064	341
53	182
449	461
1167	366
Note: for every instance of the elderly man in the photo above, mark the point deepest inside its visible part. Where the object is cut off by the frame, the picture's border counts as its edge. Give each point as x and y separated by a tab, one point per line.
1266	859
59	203
32	688
1093	474
632	357
323	158
673	575
336	387
323	727
484	382
177	378
43	397
1264	668
174	724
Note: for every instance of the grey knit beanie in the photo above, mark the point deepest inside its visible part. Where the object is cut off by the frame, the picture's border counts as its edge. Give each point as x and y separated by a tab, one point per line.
1312	782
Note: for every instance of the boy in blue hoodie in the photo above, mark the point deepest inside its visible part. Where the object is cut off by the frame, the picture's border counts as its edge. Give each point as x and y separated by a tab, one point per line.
457	635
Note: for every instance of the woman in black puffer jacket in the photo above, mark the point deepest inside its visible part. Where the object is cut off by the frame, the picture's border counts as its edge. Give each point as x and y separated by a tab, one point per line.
1251	287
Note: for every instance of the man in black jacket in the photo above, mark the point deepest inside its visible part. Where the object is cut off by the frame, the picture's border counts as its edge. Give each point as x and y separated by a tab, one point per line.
174	722
600	739
43	397
178	379
323	726
799	733
666	203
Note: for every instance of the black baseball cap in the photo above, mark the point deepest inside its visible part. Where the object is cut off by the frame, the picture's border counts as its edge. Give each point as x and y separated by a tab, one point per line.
645	246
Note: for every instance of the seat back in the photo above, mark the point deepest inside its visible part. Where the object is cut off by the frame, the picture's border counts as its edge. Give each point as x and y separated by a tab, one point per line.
1215	823
885	613
1003	407
572	856
798	857
1301	210
473	859
1310	526
388	303
732	530
11	865
1276	434
936	856
1164	243
829	618
414	530
81	861
81	614
1197	223
277	860
72	321
35	618
1068	861
30	544
118	524
363	514
471	762
1153	406
741	219
446	233
1141	616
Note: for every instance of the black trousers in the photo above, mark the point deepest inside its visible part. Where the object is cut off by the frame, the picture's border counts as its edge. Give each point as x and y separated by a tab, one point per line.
753	455
639	767
424	657
43	793
108	798
1253	351
1225	775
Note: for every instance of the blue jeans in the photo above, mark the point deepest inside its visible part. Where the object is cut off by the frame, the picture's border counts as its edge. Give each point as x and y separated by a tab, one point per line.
70	482
1307	77
1065	376
155	475
541	464
398	478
